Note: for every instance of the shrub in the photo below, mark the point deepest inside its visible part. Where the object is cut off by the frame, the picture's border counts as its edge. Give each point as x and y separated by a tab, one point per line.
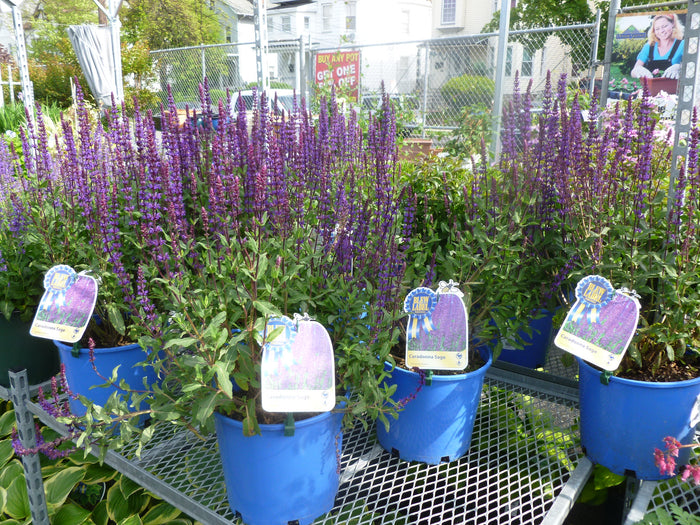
468	90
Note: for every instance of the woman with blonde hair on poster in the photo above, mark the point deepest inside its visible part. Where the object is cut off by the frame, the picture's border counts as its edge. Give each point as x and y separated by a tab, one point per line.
663	53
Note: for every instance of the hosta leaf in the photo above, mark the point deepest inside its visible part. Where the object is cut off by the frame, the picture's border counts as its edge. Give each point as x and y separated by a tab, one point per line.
131	520
7	421
60	485
17	500
70	514
117	507
128	487
11	471
161	513
6	452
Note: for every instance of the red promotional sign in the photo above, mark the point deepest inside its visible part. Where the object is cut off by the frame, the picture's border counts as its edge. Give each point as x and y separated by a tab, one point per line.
342	69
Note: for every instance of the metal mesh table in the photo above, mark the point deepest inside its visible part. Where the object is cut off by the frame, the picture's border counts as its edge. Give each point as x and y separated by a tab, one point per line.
523	451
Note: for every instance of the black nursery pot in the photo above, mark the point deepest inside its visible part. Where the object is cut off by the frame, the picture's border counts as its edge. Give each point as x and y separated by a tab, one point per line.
19	350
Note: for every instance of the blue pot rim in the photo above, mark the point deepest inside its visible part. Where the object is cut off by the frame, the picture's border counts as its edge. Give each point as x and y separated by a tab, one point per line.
637	383
277	427
447	378
63	346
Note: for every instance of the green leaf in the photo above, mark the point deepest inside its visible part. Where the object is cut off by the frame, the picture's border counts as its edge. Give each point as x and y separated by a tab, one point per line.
6	452
17	500
115	318
60	485
223	379
266	308
117	506
7	422
100	516
204	408
3	500
70	514
161	513
128	487
12	471
603	478
97	473
131	520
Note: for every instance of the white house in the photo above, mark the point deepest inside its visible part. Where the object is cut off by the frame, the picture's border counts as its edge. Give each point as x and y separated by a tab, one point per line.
327	25
460	18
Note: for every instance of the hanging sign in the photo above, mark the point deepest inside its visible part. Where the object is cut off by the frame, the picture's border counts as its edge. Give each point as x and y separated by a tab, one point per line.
436	332
600	324
341	69
298	366
66	306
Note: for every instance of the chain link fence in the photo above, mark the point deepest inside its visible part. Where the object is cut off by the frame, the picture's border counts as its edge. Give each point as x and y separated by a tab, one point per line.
432	82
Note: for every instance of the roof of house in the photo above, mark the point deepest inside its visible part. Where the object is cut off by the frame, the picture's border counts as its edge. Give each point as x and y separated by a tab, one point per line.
240	7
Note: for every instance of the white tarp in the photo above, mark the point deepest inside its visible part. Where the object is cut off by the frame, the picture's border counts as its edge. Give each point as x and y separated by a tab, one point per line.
92	45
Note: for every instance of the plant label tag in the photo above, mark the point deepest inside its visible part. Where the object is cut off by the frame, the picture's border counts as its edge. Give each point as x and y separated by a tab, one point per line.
436	333
600	324
298	366
66	306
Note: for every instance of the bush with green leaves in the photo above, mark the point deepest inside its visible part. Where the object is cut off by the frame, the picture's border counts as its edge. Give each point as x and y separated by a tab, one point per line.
468	90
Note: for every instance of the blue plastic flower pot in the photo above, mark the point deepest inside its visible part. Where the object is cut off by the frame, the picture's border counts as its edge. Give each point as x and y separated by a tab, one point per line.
624	421
272	479
81	376
437	425
534	352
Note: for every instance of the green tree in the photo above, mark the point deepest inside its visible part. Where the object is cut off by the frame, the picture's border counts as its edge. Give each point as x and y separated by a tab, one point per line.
165	24
529	14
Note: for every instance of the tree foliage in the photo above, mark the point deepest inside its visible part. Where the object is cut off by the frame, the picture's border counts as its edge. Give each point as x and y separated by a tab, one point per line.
146	25
530	14
165	24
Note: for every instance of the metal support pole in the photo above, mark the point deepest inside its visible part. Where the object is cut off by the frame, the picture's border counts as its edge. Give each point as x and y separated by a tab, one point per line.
594	52
114	30
302	69
260	21
503	27
203	62
614	9
426	84
686	97
19	393
27	87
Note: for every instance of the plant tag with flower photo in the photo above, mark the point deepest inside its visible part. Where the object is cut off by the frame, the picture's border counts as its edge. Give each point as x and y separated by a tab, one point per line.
298	366
66	306
600	324
436	333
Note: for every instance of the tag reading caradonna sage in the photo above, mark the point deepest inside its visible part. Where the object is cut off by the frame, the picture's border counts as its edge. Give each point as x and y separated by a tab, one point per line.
66	306
600	324
436	331
298	367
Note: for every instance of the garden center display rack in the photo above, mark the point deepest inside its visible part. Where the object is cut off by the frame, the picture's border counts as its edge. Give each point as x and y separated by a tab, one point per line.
524	465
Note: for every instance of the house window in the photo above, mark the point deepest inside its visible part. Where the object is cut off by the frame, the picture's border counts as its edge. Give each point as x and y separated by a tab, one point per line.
270	24
449	12
307	23
526	69
286	24
350	16
509	61
327	15
404	21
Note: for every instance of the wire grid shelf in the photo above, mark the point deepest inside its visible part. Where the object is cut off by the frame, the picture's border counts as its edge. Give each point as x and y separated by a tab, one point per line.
650	501
523	450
